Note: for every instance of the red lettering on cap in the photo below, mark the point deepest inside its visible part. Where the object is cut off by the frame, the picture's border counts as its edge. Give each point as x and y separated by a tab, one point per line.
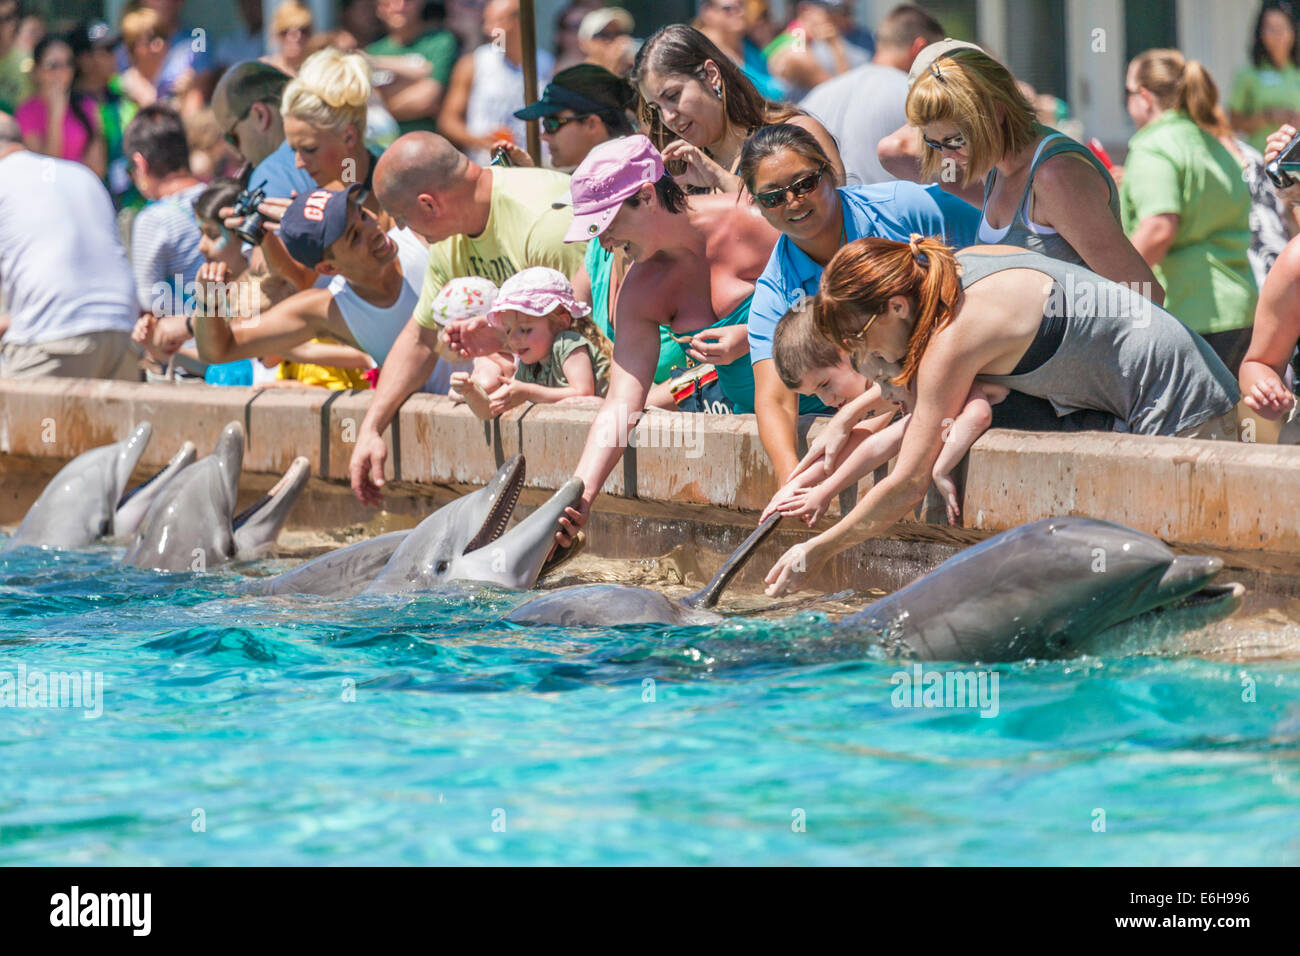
314	207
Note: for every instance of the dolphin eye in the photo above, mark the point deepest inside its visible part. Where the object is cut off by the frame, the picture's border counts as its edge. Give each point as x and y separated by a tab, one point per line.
441	567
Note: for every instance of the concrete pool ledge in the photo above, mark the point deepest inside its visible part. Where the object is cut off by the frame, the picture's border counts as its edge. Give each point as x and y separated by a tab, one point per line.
1227	496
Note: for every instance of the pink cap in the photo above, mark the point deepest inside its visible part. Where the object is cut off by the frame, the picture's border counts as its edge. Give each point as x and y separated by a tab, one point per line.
537	291
612	172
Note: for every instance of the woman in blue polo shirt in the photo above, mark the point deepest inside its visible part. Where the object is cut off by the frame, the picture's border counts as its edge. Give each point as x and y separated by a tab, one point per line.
786	170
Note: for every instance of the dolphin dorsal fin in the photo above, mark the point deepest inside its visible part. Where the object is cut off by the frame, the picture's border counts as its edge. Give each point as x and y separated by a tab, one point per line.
708	595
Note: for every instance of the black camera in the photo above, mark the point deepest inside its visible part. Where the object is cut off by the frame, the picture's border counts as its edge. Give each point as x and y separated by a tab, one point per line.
246	203
1286	163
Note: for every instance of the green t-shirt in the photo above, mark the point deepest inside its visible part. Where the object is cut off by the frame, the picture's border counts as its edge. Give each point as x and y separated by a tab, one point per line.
550	372
440	48
523	230
1263	88
1174	166
14	88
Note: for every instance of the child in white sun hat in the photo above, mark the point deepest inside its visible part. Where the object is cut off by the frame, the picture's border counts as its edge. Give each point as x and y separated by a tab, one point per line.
559	352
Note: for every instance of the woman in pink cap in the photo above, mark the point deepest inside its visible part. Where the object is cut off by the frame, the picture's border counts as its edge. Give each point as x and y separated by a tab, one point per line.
559	353
694	265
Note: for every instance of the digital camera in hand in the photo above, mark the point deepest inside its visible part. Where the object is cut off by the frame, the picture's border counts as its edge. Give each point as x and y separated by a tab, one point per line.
246	203
1285	164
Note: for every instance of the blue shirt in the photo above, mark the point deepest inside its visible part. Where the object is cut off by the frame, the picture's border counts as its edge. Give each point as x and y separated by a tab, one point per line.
890	210
279	174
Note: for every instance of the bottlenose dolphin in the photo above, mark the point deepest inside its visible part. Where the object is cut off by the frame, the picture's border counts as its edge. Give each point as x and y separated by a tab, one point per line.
450	544
1045	590
192	523
84	502
464	540
593	605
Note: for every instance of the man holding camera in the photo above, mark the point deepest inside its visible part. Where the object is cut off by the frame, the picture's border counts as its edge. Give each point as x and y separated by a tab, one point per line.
373	286
246	104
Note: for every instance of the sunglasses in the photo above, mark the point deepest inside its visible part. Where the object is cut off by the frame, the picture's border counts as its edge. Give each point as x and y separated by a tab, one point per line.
953	143
553	124
802	187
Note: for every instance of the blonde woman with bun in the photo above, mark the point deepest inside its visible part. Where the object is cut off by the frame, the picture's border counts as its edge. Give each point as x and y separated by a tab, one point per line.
324	110
1184	202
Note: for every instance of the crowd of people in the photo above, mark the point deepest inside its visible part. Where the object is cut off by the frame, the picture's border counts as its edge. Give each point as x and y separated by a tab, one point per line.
733	216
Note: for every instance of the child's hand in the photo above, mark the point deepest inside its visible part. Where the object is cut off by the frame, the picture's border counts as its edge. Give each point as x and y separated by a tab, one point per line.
211	280
798	482
807	504
506	397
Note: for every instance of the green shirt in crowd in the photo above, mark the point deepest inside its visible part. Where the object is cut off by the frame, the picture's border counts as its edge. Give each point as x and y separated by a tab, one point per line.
550	371
14	88
1174	166
1257	89
440	48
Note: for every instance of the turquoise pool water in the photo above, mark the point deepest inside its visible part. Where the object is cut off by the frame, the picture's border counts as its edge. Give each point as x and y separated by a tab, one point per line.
308	731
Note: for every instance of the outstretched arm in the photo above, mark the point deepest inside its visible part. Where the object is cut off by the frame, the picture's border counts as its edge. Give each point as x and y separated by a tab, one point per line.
409	364
1273	340
636	354
944	381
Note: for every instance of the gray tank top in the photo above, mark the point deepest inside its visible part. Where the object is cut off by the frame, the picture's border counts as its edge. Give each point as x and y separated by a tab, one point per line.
1120	352
1029	235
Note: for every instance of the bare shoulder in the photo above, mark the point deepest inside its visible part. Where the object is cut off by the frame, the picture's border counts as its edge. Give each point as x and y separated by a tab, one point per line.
1063	178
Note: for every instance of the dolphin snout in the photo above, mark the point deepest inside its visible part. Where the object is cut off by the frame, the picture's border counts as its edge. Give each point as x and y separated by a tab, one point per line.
1187	574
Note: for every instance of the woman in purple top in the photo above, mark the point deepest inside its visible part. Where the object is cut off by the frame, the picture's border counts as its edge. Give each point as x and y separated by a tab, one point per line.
56	121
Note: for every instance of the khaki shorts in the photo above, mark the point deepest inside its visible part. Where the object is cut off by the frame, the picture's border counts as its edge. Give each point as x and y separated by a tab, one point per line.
93	355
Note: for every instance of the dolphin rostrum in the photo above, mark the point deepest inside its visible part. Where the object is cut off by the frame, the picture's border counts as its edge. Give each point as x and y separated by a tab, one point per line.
593	605
192	524
463	540
84	502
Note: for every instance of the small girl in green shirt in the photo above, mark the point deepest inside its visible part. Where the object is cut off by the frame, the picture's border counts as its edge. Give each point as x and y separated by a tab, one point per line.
560	354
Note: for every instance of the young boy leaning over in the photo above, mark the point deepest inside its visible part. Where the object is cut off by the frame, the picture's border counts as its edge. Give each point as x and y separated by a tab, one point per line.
864	434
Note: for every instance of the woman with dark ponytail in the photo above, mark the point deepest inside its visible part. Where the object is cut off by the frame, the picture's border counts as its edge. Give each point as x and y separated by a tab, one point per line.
1001	316
57	121
1184	203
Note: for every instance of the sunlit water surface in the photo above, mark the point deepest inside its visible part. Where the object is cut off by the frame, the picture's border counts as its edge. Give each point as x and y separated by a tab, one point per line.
240	730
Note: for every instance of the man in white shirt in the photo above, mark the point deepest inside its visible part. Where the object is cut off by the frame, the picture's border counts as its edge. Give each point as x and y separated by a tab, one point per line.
64	276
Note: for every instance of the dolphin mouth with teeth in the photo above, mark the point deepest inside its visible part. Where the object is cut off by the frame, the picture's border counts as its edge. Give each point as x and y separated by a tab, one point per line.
502	506
470	538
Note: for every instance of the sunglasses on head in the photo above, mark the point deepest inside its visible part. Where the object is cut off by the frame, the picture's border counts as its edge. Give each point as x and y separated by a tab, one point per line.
553	124
955	142
800	187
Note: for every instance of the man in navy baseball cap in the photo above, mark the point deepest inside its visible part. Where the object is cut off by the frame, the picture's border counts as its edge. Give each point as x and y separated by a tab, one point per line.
581	107
315	221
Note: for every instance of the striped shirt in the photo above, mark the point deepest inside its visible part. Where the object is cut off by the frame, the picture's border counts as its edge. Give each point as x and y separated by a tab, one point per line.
165	251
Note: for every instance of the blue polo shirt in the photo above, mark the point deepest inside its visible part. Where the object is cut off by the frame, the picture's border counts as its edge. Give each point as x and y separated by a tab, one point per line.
279	174
890	210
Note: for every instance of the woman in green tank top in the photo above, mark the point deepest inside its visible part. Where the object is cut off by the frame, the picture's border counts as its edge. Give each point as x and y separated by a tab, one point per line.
1001	315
